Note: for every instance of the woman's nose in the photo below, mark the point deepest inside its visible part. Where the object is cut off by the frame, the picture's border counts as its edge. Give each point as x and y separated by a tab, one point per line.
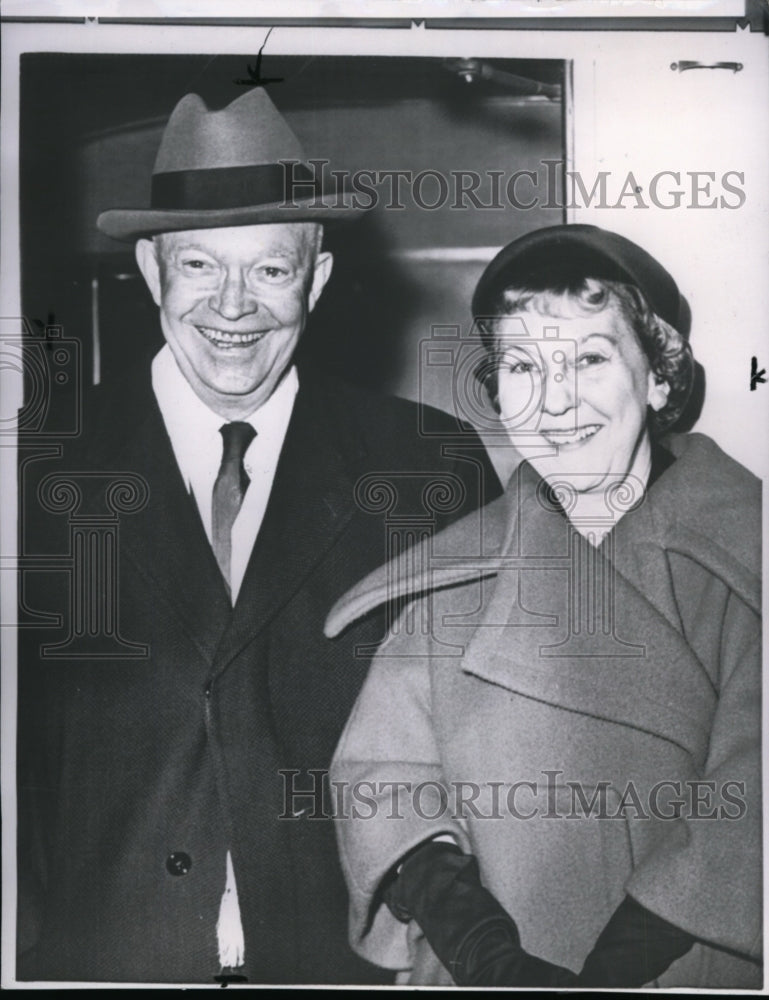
559	390
233	298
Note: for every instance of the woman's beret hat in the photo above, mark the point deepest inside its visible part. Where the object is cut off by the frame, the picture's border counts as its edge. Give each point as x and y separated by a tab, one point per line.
548	257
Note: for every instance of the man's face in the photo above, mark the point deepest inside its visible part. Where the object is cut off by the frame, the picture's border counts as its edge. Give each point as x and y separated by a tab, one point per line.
233	304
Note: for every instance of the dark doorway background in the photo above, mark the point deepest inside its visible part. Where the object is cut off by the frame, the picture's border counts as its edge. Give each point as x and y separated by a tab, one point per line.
90	127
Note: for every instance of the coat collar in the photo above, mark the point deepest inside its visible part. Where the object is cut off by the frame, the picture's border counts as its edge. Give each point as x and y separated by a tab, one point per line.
630	666
683	512
470	549
705	506
598	645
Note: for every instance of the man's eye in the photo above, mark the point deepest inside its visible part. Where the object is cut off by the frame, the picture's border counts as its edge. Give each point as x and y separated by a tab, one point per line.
273	273
196	264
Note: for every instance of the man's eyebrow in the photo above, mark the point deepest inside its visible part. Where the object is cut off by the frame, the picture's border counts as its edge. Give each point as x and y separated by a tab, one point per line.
181	247
282	251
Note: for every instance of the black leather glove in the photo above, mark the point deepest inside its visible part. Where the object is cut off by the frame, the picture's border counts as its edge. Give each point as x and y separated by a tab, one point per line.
635	947
472	935
478	941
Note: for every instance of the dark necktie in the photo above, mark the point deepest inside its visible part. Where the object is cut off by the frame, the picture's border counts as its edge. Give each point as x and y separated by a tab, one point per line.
229	489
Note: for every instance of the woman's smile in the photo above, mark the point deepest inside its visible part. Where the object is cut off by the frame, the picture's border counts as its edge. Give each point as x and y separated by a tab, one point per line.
571	437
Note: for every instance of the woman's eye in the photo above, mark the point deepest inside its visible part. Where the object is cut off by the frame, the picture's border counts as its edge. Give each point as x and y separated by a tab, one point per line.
520	367
589	360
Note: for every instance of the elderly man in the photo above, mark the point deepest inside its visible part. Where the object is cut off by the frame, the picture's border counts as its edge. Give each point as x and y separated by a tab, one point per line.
162	836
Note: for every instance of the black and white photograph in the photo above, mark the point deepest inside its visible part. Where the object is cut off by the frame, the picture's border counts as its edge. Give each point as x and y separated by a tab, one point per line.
385	396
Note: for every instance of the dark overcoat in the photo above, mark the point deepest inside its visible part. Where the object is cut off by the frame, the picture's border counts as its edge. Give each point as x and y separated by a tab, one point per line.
159	727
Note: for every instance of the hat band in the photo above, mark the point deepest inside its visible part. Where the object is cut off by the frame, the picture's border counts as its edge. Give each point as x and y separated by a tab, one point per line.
233	187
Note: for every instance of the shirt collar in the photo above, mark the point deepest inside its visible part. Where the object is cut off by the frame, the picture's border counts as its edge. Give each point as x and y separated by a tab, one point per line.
191	424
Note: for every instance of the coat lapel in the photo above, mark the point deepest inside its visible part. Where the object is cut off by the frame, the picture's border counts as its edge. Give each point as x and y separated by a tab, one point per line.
609	652
165	540
311	503
629	669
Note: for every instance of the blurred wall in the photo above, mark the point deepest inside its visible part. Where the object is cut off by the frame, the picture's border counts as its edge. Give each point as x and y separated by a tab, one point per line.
700	131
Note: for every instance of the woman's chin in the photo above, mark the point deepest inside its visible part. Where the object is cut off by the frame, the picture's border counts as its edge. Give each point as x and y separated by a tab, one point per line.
575	475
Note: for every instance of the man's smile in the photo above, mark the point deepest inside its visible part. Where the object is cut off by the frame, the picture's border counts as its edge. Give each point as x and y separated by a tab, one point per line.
221	338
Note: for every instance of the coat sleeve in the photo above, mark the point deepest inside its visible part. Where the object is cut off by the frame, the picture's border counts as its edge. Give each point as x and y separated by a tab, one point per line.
705	874
390	791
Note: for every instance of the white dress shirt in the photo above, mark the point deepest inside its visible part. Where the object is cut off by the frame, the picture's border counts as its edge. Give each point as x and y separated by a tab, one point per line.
198	447
197	444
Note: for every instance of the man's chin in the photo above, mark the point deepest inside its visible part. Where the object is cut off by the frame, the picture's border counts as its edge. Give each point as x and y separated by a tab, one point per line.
233	398
239	389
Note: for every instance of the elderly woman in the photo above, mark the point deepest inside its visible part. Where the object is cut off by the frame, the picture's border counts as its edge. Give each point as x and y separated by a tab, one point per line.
551	776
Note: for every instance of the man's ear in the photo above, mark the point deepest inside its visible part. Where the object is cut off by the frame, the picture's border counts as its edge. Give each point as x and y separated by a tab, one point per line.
323	264
147	259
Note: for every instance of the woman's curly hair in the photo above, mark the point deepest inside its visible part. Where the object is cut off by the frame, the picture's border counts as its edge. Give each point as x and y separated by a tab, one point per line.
668	351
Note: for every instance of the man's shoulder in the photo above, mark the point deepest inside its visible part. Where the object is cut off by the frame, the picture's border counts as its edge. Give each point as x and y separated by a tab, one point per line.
390	435
111	415
386	420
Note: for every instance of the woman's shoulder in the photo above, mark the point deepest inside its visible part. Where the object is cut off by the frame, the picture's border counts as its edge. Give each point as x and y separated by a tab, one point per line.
708	505
702	458
708	488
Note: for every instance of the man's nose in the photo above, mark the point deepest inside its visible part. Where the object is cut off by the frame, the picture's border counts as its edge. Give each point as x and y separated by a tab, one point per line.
234	298
559	390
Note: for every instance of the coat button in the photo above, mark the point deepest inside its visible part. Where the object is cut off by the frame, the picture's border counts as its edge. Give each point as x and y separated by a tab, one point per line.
178	863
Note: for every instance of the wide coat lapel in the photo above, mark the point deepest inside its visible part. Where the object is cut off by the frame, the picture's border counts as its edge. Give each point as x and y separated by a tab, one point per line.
165	540
310	505
627	663
522	639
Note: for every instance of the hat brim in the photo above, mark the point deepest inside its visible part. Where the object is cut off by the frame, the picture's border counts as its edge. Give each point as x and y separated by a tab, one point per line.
129	224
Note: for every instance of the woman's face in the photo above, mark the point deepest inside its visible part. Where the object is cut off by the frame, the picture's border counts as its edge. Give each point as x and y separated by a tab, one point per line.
573	392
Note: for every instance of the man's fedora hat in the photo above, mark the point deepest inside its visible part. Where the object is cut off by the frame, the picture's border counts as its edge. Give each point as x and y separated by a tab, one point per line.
235	167
561	254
